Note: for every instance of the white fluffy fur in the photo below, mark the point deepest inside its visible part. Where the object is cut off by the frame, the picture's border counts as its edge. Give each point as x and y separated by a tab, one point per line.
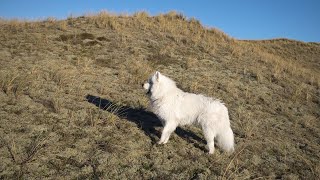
175	107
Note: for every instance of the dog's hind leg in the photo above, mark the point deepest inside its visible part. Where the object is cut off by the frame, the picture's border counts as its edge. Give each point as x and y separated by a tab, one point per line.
209	136
167	130
226	140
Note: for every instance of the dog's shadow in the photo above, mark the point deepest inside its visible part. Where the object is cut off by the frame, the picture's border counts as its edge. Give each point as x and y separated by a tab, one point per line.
145	120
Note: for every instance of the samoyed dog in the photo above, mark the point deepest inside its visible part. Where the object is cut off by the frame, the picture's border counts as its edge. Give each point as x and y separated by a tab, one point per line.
177	108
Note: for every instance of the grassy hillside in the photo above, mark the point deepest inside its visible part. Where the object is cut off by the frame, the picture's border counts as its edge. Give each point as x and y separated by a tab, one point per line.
72	106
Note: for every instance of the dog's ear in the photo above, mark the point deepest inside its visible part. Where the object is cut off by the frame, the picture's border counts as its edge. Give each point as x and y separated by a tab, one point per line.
157	75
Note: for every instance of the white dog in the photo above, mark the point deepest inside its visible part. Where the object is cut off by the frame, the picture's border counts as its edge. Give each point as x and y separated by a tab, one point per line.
175	107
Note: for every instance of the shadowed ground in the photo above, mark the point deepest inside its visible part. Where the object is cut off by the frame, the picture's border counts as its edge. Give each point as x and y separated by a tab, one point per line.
145	120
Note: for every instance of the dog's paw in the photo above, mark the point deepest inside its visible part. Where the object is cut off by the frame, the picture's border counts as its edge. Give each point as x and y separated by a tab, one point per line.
210	150
162	142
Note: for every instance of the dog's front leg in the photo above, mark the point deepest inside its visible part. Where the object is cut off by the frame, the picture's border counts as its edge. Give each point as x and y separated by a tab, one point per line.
167	130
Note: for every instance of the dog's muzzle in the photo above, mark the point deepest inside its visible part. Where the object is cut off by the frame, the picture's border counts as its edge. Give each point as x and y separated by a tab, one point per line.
147	87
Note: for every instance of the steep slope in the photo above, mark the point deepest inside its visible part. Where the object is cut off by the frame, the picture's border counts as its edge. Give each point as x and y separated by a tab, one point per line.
72	106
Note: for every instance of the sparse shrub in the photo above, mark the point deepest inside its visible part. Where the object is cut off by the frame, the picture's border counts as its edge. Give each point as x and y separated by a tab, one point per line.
194	21
113	24
172	15
141	15
62	25
12	83
104	19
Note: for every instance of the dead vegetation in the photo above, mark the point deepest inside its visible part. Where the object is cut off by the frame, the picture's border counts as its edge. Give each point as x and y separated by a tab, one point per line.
71	103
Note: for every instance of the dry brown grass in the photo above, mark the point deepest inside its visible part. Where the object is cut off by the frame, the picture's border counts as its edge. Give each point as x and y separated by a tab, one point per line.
50	128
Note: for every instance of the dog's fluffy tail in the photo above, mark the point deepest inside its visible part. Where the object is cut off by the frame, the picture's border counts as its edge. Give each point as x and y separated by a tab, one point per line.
225	140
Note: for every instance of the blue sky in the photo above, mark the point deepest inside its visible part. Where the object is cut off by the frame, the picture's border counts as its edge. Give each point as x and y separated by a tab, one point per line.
241	19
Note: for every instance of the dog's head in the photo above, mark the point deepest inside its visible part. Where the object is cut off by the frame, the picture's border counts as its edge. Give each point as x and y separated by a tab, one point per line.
159	85
152	83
